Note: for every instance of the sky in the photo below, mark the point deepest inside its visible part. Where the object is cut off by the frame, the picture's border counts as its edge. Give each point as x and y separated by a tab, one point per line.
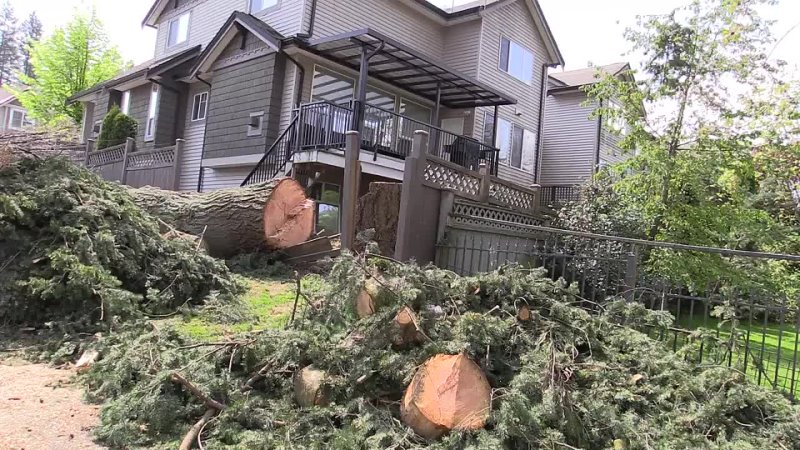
586	30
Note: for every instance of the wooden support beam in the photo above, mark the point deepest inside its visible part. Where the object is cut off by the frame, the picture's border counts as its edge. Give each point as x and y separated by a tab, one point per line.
350	188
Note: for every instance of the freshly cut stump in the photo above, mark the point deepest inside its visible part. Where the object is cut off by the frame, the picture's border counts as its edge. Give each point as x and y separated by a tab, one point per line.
450	392
309	387
270	216
405	329
366	301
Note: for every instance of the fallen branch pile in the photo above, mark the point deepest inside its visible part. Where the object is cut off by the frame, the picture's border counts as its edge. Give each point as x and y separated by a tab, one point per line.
16	145
76	248
394	356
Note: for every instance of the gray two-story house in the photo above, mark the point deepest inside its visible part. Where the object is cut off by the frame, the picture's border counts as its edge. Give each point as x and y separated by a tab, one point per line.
576	141
264	88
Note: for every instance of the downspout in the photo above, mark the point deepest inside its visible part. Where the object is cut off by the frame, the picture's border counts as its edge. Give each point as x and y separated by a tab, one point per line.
309	32
599	139
540	132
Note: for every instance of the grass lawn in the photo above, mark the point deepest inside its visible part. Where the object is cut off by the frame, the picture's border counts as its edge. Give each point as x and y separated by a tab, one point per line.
269	302
777	346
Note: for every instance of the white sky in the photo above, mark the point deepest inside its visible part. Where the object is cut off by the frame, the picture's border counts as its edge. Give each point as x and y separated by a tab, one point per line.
586	30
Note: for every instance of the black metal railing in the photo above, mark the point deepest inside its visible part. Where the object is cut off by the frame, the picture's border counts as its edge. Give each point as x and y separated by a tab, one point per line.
558	196
384	132
275	158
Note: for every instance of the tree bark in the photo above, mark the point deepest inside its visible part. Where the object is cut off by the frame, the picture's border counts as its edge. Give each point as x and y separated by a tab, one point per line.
379	210
271	216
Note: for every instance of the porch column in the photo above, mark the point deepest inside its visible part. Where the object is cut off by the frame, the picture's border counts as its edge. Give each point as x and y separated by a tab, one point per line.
496	162
436	112
361	95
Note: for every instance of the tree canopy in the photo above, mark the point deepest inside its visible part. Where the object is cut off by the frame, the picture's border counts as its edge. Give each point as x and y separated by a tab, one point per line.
76	57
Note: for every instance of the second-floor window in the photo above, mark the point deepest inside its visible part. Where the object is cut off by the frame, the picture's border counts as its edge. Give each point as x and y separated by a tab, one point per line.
200	106
517	145
178	30
152	111
260	5
516	60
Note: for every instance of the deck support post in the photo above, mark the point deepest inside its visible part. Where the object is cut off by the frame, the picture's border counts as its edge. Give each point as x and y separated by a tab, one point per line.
130	147
350	189
413	192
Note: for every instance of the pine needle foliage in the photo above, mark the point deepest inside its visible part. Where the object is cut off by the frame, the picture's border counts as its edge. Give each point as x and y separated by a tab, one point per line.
566	379
77	248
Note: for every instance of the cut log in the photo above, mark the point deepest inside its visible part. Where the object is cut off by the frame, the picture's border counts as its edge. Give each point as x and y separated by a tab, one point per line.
405	332
309	387
450	392
270	216
367	299
379	210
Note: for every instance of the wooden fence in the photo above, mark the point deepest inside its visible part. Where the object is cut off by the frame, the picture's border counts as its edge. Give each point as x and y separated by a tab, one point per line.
158	167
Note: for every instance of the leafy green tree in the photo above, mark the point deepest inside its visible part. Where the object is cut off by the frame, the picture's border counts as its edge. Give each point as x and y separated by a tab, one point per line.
706	84
73	59
117	127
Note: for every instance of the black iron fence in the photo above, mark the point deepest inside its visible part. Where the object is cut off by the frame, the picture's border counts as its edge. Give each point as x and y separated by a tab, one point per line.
726	307
558	195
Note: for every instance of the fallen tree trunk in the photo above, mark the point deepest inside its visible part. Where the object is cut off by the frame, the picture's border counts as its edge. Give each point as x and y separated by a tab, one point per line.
273	216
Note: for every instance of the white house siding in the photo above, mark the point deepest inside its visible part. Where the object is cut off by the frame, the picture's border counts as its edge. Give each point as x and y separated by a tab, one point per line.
389	17
461	47
208	16
214	179
514	21
610	152
194	134
570	140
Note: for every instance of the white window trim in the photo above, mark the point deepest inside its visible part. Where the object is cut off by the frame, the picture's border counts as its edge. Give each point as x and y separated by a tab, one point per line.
500	59
11	112
177	19
496	144
152	114
205	110
125	103
258	11
255	132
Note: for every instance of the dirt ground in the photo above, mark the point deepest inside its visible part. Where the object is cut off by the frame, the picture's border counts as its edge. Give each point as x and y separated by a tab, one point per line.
40	409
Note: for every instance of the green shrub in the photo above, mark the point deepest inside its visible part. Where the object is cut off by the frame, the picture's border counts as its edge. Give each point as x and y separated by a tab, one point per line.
117	127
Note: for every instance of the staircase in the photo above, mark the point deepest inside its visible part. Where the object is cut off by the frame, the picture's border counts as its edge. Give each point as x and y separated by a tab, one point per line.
276	157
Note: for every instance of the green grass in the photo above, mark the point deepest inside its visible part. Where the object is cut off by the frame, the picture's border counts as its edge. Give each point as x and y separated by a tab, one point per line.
268	303
776	346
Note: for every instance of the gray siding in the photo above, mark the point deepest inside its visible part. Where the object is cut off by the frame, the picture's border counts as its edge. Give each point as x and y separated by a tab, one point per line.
194	134
570	140
237	91
208	16
610	152
389	17
515	22
462	47
140	102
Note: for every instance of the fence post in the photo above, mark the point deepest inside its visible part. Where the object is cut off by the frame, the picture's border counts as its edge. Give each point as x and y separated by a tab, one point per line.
486	183
177	163
89	150
412	192
130	145
631	272
350	188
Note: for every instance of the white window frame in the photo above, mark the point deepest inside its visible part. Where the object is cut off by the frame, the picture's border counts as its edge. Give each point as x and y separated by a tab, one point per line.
185	19
263	5
510	157
125	103
152	113
11	118
511	44
197	101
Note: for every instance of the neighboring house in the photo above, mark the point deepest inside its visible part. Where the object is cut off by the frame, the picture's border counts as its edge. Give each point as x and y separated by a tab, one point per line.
13	115
575	144
241	79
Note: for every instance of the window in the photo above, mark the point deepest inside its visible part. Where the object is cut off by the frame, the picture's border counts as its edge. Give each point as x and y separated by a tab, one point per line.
178	30
17	119
332	87
517	145
256	124
260	5
199	106
327	196
152	111
125	104
516	60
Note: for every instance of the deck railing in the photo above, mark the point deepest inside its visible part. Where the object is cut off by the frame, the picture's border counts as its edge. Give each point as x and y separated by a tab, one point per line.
384	132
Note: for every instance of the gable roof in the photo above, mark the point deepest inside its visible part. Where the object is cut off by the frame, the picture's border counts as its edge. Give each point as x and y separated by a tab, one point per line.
155	10
587	76
237	22
476	7
6	96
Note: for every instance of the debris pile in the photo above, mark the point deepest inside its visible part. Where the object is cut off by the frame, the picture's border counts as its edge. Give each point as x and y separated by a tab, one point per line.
77	249
498	361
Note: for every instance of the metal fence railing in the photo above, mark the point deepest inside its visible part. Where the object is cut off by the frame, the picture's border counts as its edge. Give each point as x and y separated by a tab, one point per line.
557	196
724	302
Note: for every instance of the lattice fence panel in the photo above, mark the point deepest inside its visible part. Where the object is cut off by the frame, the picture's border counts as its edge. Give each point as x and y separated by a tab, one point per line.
503	194
106	156
452	179
159	158
476	213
